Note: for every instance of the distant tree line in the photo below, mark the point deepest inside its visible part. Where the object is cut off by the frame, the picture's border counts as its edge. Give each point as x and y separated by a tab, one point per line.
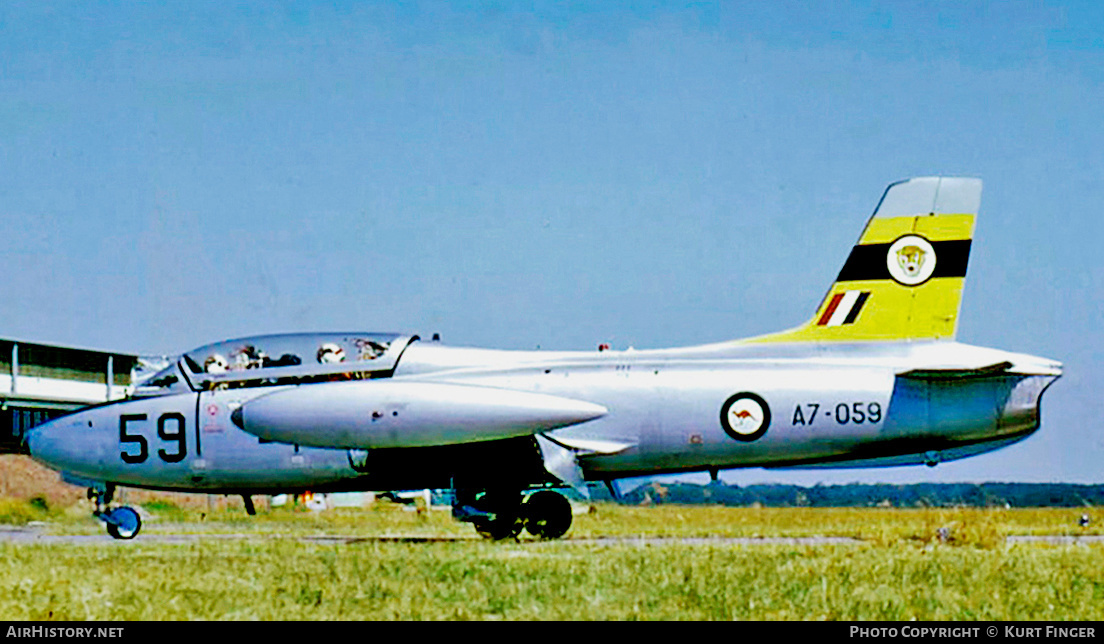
884	495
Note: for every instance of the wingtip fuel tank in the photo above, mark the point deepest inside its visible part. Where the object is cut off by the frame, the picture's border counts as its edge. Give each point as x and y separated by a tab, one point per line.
373	414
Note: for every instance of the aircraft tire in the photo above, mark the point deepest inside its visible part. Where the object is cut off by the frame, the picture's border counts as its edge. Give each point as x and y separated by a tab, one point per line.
498	529
547	515
124	523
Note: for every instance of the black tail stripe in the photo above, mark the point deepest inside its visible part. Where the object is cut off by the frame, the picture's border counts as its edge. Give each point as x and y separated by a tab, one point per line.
868	261
854	314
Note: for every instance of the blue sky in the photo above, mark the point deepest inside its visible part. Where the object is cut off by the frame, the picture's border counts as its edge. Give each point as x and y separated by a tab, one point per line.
516	175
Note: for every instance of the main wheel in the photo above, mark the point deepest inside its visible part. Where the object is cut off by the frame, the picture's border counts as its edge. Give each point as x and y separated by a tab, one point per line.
547	515
123	523
499	528
502	509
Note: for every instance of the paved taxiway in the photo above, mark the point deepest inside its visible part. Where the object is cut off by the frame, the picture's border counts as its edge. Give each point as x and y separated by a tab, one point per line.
26	535
34	535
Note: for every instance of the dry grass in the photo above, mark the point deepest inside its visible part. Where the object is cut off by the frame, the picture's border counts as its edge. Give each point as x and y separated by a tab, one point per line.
287	579
901	570
927	564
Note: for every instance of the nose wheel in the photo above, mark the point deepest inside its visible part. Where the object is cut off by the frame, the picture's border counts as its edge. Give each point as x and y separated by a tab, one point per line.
122	522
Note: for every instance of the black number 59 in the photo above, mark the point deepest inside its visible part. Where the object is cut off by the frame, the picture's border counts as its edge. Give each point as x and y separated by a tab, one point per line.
170	428
124	437
177	435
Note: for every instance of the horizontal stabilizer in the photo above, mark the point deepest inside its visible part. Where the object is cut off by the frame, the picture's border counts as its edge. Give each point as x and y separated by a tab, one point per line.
957	373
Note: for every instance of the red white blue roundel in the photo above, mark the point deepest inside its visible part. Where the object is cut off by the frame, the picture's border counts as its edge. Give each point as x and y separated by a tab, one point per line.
745	416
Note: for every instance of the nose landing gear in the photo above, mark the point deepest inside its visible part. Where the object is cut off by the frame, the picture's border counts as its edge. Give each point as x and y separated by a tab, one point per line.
122	522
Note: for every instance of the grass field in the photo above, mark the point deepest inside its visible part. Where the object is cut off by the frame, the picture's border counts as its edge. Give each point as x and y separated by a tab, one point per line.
899	570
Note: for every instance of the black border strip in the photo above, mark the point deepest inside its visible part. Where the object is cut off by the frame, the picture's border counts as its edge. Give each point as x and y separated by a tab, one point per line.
868	261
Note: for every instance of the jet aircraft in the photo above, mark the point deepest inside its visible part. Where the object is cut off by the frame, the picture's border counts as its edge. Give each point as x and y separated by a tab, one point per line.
873	378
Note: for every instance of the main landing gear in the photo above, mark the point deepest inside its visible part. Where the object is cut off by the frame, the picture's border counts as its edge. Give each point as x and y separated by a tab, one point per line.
122	522
503	514
547	514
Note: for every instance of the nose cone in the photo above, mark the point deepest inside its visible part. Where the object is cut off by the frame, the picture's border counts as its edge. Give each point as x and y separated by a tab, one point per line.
70	444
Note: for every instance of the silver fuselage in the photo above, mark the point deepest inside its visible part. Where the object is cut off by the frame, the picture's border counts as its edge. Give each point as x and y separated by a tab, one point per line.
834	405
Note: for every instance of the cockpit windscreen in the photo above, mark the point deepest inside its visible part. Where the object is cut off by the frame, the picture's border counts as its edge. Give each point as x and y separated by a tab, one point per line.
292	359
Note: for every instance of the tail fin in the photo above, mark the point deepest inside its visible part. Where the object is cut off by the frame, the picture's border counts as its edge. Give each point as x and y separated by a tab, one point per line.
904	277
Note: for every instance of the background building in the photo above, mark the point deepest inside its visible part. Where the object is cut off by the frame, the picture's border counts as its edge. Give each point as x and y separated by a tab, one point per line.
39	382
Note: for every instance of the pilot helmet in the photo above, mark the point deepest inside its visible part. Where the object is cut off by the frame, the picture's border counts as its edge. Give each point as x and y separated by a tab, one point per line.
330	353
216	364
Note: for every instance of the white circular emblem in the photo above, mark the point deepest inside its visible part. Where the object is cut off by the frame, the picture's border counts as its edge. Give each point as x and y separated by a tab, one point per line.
745	416
911	260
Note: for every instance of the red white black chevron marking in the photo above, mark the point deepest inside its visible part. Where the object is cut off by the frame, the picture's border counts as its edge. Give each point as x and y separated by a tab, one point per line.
844	308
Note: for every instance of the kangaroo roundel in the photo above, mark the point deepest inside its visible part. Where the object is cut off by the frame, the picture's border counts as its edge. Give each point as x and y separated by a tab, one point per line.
911	260
745	417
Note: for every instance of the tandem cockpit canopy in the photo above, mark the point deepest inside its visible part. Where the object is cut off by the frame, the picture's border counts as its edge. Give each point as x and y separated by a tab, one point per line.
295	358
